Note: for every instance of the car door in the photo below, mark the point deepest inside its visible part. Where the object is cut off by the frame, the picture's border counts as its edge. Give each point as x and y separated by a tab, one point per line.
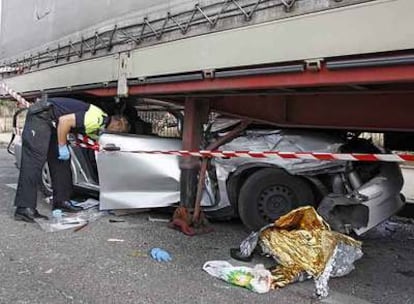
133	180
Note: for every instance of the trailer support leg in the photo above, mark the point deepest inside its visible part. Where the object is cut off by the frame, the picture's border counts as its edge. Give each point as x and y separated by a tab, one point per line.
195	114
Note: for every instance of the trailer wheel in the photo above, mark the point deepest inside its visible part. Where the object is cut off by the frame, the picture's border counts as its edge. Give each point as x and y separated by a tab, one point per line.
270	193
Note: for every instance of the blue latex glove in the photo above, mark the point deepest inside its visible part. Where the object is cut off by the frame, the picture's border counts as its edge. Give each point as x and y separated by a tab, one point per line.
160	255
64	153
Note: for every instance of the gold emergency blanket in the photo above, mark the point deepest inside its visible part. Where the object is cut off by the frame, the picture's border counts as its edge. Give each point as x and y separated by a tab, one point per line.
302	243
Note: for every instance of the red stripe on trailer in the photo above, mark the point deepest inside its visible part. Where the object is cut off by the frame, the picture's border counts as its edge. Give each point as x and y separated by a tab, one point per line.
324	77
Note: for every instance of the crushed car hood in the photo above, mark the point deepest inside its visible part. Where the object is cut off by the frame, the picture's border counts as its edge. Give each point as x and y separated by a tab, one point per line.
286	141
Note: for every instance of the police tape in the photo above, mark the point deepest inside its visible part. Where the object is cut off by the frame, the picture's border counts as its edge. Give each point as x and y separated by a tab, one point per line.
7	69
86	142
21	100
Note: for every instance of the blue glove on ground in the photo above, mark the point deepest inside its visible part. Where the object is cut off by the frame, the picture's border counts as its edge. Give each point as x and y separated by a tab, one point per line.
64	153
160	255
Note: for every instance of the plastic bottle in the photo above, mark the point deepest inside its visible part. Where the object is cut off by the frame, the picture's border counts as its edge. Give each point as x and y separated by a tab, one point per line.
57	215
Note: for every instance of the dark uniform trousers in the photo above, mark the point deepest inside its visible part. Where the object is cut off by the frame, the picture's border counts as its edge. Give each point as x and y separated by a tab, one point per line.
39	144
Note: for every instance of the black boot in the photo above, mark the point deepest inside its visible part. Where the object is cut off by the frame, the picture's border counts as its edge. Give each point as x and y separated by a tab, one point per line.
28	214
66	206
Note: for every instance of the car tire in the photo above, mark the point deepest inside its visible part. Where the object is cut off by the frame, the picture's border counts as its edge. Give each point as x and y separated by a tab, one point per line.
270	193
46	182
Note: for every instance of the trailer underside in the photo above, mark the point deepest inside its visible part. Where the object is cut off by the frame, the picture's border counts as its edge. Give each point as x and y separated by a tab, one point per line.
370	98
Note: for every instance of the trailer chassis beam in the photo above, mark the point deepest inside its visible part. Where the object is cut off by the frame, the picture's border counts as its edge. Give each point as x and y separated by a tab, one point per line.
306	79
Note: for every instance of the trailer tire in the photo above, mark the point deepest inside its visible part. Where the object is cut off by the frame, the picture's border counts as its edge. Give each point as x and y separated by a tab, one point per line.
270	193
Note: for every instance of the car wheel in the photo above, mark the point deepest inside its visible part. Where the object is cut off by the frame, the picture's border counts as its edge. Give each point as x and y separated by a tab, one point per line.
270	193
46	182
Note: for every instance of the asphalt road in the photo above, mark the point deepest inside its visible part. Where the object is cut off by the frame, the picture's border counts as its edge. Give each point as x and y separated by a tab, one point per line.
83	267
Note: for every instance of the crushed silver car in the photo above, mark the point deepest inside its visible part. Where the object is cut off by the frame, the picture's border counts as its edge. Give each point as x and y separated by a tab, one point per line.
352	196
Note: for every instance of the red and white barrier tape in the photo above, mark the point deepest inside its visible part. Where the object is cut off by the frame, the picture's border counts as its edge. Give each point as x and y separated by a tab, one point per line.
85	142
288	155
21	101
7	69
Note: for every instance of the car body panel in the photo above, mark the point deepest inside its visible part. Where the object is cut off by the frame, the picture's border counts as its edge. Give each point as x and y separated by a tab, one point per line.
131	180
276	140
285	141
380	197
383	193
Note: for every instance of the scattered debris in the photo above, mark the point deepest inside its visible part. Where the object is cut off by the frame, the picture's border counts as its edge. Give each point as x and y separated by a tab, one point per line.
62	221
81	227
89	203
158	220
57	216
160	255
124	212
71	223
116	240
116	221
13	186
406	273
394	228
257	279
304	247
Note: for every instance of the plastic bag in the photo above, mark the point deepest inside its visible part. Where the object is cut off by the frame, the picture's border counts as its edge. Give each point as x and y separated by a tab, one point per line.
71	220
89	203
257	279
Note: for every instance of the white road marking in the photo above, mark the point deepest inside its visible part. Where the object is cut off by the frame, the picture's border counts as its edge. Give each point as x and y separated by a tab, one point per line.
13	186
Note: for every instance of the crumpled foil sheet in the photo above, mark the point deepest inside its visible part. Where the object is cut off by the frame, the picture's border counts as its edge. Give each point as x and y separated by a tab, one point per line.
304	246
